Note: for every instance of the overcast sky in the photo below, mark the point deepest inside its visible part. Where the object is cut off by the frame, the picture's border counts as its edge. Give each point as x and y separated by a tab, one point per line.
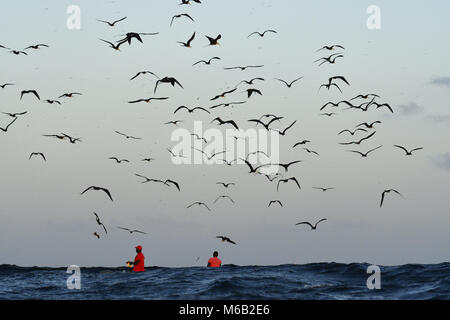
45	221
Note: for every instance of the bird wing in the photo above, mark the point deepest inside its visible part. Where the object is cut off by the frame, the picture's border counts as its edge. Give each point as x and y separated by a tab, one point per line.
181	107
282	81
304	222
119	20
365	138
315	226
382	198
295	180
87	189
189	41
174	183
108	193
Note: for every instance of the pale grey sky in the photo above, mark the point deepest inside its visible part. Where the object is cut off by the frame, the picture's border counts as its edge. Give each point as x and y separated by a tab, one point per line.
45	221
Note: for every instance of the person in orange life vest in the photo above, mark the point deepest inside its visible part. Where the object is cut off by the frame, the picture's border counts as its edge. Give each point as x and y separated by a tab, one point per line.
138	264
214	262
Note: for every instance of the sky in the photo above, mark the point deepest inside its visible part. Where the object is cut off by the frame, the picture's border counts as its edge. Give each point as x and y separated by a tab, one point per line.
44	221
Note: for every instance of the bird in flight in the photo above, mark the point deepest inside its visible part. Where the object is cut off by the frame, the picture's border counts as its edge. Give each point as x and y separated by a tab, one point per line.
358	142
265	125
16	114
143	72
337	104
261	34
97	235
388	191
212	155
148	99
251	91
368	125
114	46
252	169
310	151
206	62
180	16
250	82
365	96
332	47
174	122
243	67
303	142
29	91
118	160
188	43
131	231
352	132
331	59
170	80
223	197
287	180
408	153
222	95
227	104
331	83
3	86
49	101
37	154
289	84
18	52
198	203
364	155
99	222
71	139
7	127
226	185
198	137
111	24
98	189
189	2
323	189
190	110
136	35
313	227
214	41
127	136
383	105
287	165
284	131
36	46
150	179
275	201
226	239
222	122
70	95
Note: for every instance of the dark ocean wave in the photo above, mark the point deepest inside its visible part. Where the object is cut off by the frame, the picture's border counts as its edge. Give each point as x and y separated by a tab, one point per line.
309	281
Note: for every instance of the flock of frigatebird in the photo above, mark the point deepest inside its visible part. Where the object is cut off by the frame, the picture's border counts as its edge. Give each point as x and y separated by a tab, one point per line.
360	133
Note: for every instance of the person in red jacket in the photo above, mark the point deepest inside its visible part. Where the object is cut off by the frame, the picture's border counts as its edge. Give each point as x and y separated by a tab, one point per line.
138	264
214	262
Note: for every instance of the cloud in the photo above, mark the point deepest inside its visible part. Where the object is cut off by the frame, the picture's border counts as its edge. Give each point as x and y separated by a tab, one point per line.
439	118
442	161
409	108
441	81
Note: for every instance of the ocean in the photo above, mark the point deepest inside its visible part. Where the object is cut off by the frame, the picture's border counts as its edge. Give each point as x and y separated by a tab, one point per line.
317	281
